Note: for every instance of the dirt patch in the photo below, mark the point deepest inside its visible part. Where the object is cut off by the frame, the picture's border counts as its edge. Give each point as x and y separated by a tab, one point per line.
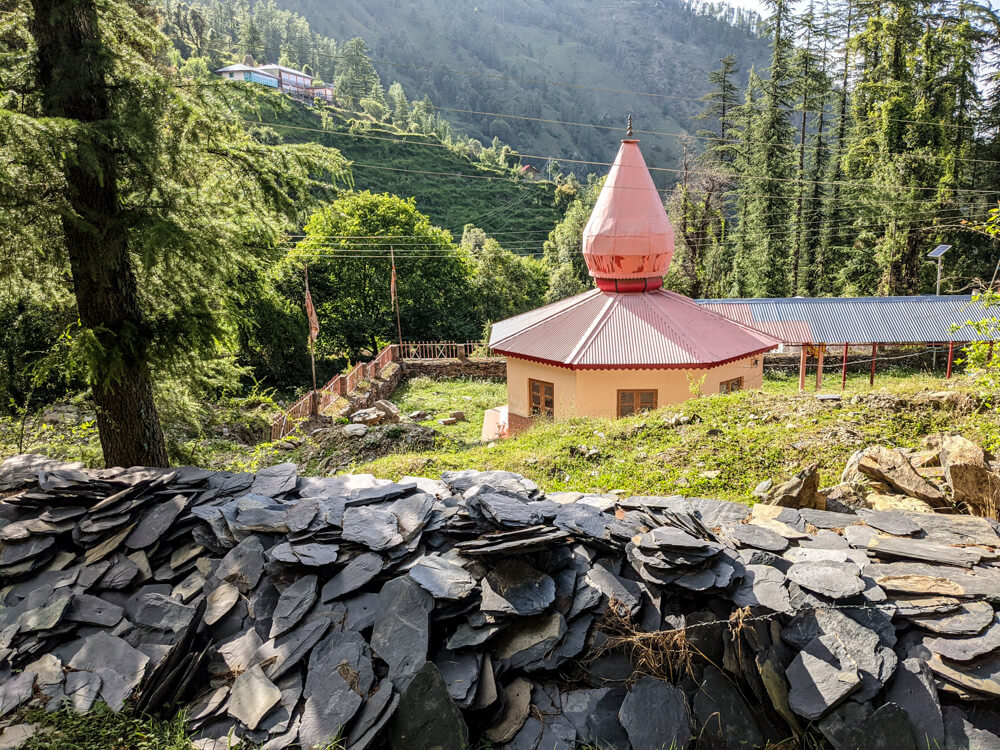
334	449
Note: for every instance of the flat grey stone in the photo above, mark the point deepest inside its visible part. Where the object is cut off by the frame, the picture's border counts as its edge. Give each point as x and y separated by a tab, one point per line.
371	715
412	513
361	611
120	666
912	689
979	677
969	619
516	704
402	626
467	636
968	648
219	601
725	718
594	713
762	586
427	717
615	587
838	580
15	691
889	521
316	555
377	492
888	728
253	697
284	652
821	676
337	682
243	565
274	481
919	549
48	615
375	528
525	643
751	535
237	654
353	576
442	578
497	509
828	519
16	735
292	605
962	734
163	613
82	689
515	588
156	522
655	715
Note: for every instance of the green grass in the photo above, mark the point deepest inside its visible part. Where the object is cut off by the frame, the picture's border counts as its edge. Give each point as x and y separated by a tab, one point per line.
763	434
101	729
490	199
440	397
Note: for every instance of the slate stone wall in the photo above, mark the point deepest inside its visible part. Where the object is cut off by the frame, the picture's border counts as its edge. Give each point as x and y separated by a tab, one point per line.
494	368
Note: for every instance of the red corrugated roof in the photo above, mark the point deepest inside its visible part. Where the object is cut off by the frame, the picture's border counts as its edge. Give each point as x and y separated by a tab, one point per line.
600	330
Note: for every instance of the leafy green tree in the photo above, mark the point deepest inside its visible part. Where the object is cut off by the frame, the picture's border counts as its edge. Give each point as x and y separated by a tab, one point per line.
399	105
138	208
563	250
504	284
347	248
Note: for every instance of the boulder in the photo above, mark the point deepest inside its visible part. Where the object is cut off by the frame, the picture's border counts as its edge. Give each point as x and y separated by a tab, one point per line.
801	491
370	416
968	474
355	430
894	469
388	409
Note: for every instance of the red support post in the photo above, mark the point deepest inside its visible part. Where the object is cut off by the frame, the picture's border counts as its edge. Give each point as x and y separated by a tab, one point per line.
951	352
871	377
843	370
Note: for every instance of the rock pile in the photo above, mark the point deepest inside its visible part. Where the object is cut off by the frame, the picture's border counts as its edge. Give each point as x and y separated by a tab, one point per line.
286	611
951	473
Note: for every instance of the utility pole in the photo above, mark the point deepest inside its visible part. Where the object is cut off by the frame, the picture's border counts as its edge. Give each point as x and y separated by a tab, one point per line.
313	331
938	253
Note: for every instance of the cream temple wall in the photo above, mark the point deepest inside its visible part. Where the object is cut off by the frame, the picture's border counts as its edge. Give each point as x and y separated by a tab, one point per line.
594	393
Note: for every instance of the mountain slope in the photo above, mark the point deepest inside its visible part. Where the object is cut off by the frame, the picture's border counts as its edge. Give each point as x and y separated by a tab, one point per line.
448	187
506	50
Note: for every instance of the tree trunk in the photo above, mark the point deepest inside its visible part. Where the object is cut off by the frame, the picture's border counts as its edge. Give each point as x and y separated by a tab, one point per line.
72	78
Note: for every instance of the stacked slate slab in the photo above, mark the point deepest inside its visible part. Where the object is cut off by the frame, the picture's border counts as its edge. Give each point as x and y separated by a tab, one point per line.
285	611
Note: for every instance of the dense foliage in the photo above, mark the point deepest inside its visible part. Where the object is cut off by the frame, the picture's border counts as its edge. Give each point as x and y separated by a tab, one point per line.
127	187
870	138
446	291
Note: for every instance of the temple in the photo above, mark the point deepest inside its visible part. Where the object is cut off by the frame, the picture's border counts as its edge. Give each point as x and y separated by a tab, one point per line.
627	345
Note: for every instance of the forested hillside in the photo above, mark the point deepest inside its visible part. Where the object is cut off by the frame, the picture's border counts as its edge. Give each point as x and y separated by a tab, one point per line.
485	64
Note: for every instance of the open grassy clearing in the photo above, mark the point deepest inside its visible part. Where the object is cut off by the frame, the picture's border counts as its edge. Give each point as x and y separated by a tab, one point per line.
440	397
741	439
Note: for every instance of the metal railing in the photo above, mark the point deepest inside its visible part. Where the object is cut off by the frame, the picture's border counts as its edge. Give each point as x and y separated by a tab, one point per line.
444	349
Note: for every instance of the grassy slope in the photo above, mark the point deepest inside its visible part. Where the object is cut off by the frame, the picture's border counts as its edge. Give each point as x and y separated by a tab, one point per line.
513	45
449	201
769	433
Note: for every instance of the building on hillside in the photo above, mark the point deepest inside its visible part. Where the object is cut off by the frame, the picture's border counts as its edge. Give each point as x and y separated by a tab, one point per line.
323	92
530	172
247	73
290	81
287	80
628	345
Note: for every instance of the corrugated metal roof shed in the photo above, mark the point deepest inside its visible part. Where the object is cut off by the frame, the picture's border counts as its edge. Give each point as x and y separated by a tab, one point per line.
855	320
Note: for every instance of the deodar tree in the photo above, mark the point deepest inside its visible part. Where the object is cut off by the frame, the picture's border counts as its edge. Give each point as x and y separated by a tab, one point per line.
143	192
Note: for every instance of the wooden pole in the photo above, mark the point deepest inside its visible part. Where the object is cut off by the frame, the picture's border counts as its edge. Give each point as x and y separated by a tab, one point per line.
819	366
313	396
395	296
802	368
871	377
843	370
951	352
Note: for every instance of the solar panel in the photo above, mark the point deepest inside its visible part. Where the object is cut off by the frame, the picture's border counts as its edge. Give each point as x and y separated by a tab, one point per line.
939	251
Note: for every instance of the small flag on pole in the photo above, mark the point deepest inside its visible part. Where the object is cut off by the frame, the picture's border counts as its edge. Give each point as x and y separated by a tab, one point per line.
311	314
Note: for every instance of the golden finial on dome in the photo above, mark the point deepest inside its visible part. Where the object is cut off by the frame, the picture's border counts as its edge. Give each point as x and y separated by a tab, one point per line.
629	133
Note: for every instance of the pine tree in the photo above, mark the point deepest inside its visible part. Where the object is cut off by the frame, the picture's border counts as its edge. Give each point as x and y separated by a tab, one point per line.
138	210
722	101
354	74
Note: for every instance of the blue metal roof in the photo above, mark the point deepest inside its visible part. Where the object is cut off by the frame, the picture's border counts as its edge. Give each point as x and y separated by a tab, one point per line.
856	320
